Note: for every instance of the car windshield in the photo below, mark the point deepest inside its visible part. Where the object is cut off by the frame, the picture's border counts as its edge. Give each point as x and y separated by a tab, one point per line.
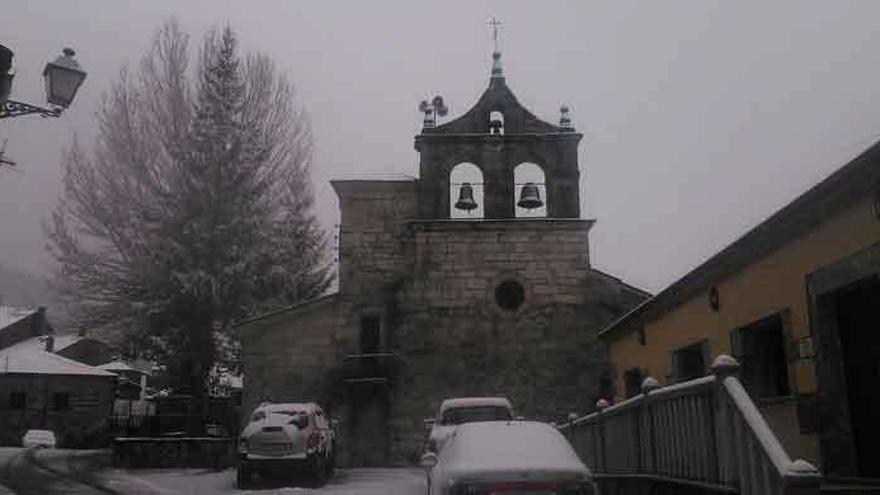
289	412
461	415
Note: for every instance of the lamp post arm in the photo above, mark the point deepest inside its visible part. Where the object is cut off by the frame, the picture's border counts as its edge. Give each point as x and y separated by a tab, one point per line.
12	108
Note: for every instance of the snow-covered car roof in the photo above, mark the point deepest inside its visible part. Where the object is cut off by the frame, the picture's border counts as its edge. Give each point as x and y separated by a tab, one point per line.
474	402
496	449
270	406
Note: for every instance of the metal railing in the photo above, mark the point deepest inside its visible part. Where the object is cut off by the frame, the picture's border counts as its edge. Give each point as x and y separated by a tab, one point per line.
705	434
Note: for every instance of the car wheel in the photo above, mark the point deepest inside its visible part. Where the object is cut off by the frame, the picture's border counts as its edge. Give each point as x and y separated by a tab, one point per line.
318	467
331	462
243	478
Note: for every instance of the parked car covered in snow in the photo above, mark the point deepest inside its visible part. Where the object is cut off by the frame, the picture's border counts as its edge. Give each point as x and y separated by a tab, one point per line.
454	412
39	438
507	458
279	437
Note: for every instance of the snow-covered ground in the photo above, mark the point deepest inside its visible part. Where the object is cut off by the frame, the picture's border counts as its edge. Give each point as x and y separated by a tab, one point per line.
364	481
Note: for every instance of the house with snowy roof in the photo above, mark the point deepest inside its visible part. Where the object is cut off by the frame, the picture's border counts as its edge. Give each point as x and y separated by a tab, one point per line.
18	324
42	390
44	383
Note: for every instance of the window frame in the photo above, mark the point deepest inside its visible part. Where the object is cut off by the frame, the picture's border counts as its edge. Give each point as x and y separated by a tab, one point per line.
738	351
58	405
14	404
675	375
626	381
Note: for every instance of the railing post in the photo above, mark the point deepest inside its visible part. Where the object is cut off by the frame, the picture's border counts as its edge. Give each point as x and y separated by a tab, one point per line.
722	430
802	478
650	384
601	404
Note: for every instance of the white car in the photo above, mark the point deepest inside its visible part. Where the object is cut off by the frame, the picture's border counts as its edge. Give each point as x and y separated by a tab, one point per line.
39	438
454	412
280	437
507	458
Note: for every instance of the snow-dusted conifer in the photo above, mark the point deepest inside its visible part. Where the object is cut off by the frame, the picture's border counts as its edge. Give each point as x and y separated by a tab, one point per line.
193	209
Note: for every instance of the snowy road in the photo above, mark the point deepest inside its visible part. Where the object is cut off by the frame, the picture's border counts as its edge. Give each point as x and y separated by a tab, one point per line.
402	481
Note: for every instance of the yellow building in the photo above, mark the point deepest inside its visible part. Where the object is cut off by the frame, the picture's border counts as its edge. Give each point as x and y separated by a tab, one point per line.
797	301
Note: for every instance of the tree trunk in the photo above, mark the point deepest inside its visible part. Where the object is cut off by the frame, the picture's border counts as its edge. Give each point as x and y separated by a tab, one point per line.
201	357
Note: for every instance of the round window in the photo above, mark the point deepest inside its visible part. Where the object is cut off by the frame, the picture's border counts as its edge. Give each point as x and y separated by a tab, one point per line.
510	295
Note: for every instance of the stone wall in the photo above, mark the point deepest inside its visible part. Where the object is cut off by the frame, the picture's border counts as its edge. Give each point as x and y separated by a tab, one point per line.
190	452
455	340
287	358
374	240
459	263
433	284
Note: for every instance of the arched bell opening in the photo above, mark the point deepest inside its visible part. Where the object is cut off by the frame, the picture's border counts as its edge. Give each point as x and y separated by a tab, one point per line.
496	123
466	192
530	187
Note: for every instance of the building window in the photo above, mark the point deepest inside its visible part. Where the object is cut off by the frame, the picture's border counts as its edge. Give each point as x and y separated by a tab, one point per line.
760	348
17	400
606	386
689	362
60	401
632	382
371	334
510	295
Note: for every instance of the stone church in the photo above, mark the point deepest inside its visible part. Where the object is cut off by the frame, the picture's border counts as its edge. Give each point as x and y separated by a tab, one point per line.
433	304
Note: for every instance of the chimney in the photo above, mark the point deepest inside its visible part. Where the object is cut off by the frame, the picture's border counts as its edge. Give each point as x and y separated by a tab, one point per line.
50	343
38	322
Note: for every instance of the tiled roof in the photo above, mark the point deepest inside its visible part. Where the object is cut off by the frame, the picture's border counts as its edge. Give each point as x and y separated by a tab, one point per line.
10	315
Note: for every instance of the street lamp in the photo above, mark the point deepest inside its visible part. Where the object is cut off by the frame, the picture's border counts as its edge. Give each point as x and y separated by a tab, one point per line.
63	78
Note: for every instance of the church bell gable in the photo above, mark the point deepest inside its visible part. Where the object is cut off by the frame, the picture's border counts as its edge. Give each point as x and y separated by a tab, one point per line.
496	135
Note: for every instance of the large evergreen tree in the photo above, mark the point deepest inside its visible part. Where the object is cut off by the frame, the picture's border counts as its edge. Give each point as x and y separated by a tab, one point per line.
193	207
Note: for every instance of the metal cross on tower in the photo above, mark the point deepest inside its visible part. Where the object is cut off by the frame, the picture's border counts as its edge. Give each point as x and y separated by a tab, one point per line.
494	23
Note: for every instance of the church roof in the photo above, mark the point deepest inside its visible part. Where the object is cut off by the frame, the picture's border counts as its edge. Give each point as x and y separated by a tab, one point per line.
292	309
375	177
498	97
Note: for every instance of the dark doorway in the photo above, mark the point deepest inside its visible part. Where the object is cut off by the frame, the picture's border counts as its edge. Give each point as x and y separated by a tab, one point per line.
368	426
858	319
371	334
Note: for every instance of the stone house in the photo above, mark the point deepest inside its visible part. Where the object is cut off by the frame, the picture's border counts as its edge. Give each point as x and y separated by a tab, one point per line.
431	306
42	390
797	300
47	381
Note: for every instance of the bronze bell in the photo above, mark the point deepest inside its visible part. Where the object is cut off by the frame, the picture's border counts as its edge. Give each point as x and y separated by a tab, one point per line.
466	198
530	197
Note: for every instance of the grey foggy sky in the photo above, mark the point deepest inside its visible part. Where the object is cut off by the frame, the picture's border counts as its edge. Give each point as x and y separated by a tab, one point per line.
700	118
